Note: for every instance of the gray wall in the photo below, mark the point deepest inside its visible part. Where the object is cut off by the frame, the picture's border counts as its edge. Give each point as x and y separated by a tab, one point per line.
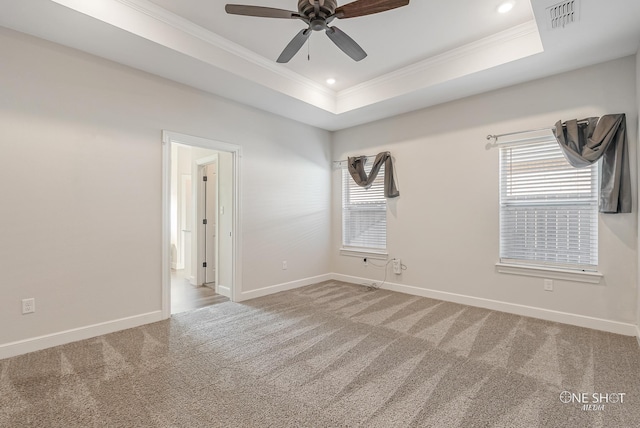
80	179
444	225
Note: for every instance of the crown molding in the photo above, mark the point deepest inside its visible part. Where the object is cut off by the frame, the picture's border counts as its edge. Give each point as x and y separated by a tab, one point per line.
184	25
495	41
156	24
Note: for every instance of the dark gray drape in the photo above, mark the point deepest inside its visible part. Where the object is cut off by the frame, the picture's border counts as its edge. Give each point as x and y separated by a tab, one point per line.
606	138
356	169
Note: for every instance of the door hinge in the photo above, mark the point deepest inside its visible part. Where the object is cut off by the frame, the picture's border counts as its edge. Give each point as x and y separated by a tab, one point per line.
204	178
204	264
204	221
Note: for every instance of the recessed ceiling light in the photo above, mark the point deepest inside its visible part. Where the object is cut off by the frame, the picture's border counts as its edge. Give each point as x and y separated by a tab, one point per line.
505	7
331	81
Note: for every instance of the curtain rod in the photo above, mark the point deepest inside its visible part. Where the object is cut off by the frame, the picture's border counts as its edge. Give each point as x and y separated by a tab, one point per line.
340	162
495	137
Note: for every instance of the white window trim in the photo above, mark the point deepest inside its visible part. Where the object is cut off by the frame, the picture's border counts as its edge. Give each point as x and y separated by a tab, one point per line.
364	252
590	277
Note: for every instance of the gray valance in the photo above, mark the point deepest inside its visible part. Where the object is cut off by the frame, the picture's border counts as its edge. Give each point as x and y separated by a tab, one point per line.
356	169
606	138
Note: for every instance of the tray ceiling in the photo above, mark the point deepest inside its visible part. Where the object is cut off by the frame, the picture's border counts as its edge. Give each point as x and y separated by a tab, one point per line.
420	55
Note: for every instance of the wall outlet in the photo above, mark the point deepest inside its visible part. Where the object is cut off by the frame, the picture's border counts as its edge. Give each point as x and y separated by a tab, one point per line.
397	266
548	285
284	265
28	306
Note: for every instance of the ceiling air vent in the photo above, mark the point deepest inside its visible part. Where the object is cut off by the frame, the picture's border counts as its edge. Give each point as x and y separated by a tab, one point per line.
563	14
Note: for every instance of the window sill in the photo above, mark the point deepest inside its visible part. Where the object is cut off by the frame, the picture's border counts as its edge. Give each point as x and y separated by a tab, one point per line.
363	252
550	273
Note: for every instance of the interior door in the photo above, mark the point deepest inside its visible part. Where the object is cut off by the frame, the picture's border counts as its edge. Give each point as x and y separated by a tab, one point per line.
211	204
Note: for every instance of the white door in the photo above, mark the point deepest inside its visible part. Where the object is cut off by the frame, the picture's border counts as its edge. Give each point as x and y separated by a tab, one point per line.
211	204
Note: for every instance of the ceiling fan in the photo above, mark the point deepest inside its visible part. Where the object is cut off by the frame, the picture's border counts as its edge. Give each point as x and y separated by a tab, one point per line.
317	14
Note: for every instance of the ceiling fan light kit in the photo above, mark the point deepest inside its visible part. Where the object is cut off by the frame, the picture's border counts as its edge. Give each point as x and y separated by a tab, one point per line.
318	14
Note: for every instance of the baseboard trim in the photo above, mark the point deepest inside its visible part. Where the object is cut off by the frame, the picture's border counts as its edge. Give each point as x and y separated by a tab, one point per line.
252	294
20	347
512	308
224	290
12	349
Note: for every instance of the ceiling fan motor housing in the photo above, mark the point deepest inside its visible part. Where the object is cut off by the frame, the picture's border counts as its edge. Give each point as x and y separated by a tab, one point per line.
317	20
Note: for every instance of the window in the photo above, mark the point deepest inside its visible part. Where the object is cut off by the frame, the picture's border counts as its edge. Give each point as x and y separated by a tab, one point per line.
548	209
364	212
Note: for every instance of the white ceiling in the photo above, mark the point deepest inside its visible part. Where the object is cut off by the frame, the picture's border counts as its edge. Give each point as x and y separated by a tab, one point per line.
420	55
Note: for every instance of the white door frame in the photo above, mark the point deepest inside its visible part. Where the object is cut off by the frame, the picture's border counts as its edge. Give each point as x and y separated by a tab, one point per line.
169	137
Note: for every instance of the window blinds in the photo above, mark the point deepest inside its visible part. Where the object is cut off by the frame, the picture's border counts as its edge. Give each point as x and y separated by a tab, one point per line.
548	209
364	212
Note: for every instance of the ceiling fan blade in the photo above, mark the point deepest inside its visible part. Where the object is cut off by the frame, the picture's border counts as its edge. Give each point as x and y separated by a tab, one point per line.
346	43
263	12
294	46
368	7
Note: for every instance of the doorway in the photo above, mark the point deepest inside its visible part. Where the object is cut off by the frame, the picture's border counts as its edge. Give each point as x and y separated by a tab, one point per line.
200	222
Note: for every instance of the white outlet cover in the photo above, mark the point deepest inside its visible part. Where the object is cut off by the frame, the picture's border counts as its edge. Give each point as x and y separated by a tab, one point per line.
28	306
397	266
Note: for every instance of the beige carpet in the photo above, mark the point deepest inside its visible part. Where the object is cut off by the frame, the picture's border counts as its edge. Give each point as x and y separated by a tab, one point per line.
328	355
